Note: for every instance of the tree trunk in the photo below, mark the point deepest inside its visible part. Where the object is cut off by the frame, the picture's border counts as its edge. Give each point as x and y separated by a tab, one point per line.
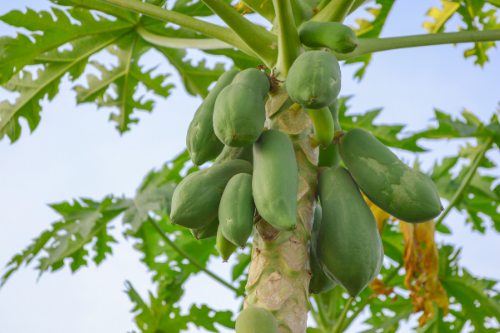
278	277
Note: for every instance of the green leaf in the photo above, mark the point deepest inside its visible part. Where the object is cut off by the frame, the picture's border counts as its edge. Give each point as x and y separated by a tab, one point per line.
124	80
241	59
243	260
371	29
117	12
387	134
440	16
193	8
15	53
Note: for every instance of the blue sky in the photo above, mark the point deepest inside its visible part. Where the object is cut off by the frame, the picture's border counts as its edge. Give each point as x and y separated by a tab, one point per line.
76	152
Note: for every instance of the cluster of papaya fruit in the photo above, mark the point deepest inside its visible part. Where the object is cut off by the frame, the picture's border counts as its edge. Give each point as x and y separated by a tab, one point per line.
255	173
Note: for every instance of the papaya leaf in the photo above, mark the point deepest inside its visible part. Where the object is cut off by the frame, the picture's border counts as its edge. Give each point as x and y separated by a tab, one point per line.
387	134
243	262
193	8
370	29
241	59
401	307
162	316
15	53
27	105
117	12
440	16
83	222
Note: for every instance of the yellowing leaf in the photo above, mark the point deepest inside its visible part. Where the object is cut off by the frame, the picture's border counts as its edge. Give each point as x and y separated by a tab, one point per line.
422	267
380	215
440	16
378	288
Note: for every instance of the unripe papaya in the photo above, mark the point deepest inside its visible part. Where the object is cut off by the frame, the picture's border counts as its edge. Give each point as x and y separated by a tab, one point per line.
349	245
236	210
239	116
256	320
323	125
320	282
313	81
333	35
196	199
401	191
208	231
224	246
275	179
235	153
202	143
330	156
256	80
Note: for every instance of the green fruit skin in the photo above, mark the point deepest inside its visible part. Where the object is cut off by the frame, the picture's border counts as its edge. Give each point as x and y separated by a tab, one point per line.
196	199
239	116
202	143
236	210
401	191
275	179
323	125
349	245
224	246
313	81
333	35
256	320
208	231
330	156
320	282
256	80
235	153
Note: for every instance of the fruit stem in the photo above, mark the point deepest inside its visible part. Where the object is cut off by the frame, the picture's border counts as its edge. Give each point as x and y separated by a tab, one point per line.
321	309
192	261
465	183
337	328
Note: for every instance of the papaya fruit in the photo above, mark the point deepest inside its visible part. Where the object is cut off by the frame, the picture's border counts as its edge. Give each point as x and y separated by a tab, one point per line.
239	116
320	282
235	153
236	209
401	191
255	79
330	156
333	35
208	231
202	143
349	246
323	125
256	320
313	81
275	179
224	246
195	202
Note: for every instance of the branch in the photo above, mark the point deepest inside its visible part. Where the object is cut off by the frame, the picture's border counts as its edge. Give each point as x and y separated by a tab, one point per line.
182	43
289	44
193	261
465	183
258	39
334	11
213	30
371	45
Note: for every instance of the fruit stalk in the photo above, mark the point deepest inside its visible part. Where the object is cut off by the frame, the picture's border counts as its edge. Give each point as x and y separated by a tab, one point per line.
278	277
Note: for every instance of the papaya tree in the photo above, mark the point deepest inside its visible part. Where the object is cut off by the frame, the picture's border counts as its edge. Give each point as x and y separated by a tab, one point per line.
330	223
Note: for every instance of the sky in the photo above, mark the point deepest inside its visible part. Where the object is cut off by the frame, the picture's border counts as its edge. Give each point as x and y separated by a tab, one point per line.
75	152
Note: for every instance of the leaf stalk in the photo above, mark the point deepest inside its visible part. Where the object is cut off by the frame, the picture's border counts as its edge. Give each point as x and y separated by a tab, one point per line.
340	323
334	11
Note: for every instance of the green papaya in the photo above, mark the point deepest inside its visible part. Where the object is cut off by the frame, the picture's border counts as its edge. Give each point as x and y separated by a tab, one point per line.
401	191
224	246
235	153
236	210
239	116
256	320
313	81
275	179
330	156
320	282
255	79
323	125
208	231
349	246
196	199
202	143
333	35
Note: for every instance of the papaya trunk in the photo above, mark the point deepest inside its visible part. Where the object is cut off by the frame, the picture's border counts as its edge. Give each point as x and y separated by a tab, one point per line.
278	277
